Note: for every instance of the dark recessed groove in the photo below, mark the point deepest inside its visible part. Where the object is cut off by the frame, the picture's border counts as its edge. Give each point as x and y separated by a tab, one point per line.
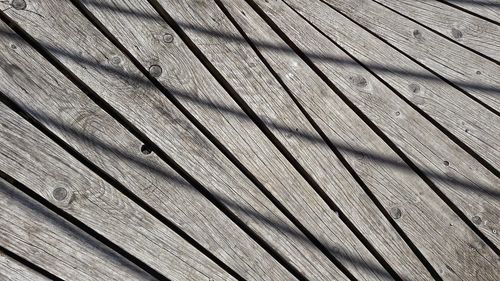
379	132
261	125
315	185
465	92
469	12
108	178
69	218
331	146
24	261
438	125
440	34
283	261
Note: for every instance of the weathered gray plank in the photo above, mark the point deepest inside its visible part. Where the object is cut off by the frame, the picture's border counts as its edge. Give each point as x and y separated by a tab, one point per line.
40	236
248	144
38	163
476	127
12	270
459	26
469	71
51	98
368	155
227	50
453	170
89	55
487	8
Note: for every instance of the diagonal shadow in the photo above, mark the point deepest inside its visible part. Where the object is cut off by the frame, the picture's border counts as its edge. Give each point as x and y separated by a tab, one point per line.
485	3
185	95
12	194
490	89
391	163
166	175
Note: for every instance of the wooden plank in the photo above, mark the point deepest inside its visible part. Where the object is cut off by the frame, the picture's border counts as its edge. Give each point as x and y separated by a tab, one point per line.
398	188
32	82
459	26
12	270
452	170
88	55
472	73
260	91
489	9
35	161
32	231
466	120
248	144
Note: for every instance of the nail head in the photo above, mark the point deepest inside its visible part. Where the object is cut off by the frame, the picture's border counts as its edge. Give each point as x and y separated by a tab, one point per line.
155	70
167	37
18	4
60	193
396	213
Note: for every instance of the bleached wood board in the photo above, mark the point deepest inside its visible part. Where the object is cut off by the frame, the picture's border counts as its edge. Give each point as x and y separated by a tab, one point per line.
235	60
12	270
331	115
88	55
467	120
470	72
462	179
34	232
247	143
485	8
45	168
31	81
459	26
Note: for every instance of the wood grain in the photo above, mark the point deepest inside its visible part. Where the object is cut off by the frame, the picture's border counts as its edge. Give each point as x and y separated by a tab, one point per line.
390	179
12	270
45	168
39	235
235	60
472	73
52	99
486	8
248	144
468	121
461	27
88	55
452	170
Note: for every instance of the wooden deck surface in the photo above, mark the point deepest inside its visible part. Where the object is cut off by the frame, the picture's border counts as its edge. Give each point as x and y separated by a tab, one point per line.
250	140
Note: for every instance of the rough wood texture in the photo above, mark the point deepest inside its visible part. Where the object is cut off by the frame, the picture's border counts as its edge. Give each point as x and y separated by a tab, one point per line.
248	144
340	73
454	171
38	163
467	70
487	8
52	99
227	50
39	235
461	27
478	128
12	270
88	54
